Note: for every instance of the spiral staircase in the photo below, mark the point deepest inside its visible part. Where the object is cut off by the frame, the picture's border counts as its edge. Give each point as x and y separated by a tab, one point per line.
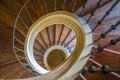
60	39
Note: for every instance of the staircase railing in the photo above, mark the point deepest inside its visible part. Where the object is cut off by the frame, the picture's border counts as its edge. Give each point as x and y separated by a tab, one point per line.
16	40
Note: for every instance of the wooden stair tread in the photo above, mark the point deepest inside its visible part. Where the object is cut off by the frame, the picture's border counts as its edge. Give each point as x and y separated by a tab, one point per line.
41	7
70	37
90	6
23	73
108	58
107	39
7	57
46	37
98	75
14	6
40	39
106	24
32	10
3	7
8	44
4	31
9	69
36	52
58	32
65	33
38	46
17	75
51	33
100	12
27	75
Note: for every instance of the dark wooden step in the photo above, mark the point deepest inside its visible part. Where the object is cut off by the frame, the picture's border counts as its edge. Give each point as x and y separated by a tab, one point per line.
6	32
7	18
106	24
51	31
110	36
91	5
27	74
13	6
45	34
98	75
10	69
109	58
17	75
7	57
100	12
5	44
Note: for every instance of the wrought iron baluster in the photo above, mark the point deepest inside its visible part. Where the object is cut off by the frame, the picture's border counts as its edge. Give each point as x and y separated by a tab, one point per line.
74	4
83	8
64	3
103	35
92	13
106	14
54	5
46	7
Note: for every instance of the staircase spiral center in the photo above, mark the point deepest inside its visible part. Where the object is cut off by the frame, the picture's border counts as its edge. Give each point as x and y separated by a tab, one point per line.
55	58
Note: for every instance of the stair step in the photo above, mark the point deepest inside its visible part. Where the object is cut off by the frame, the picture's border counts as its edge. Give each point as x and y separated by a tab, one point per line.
17	75
26	75
38	58
107	58
59	29
3	7
14	6
9	69
98	75
4	18
25	17
40	39
64	34
14	73
51	30
32	11
107	23
6	33
70	37
46	37
41	7
7	57
91	5
50	5
100	12
107	39
21	26
72	44
39	47
4	42
37	52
